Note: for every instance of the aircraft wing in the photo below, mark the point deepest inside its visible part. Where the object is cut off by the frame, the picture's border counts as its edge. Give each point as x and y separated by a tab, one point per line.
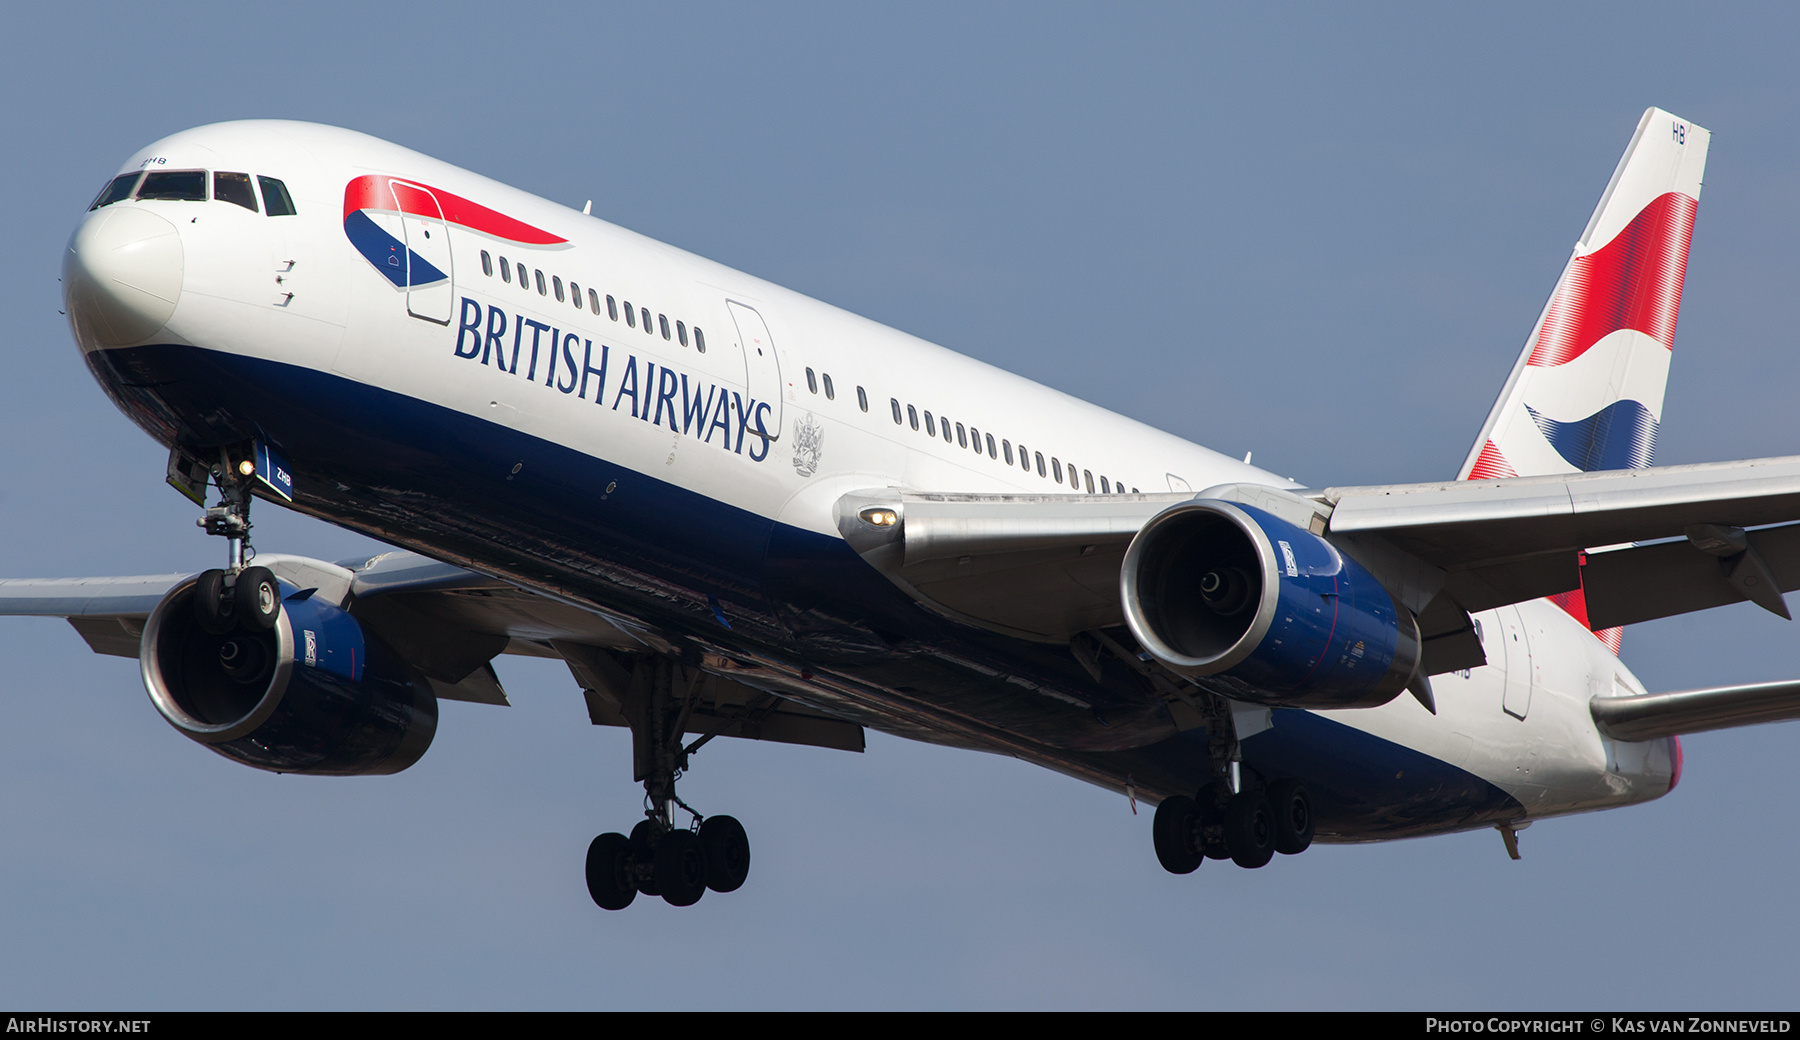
450	623
1047	567
1502	541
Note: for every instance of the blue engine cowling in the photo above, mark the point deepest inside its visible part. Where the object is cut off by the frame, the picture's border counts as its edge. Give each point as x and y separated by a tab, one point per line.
314	695
1214	588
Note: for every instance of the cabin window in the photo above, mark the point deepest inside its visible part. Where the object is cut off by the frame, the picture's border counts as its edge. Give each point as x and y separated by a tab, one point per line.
630	314
895	401
1105	489
962	441
1088	478
505	271
593	301
1040	466
975	439
699	340
812	382
830	394
946	426
992	454
862	399
1006	447
1056	468
662	320
276	200
912	416
117	190
540	283
575	295
612	309
930	430
487	264
557	282
644	313
234	188
681	332
182	185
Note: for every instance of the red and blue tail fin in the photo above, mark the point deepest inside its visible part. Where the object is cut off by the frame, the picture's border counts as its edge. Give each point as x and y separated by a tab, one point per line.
1587	391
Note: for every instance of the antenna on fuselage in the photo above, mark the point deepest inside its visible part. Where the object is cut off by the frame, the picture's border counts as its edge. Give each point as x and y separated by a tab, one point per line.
587	208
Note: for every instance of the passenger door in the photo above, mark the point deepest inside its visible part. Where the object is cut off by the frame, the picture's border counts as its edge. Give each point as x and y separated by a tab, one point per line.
430	288
762	371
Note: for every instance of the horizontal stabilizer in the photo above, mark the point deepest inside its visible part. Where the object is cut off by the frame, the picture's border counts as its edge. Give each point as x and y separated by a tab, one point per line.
1652	715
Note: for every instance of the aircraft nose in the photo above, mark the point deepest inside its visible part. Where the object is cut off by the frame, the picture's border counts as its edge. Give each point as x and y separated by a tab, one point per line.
121	276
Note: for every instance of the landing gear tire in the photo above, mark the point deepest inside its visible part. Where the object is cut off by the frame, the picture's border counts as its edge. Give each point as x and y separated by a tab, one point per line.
1250	829
643	850
609	869
1292	806
212	604
1175	831
727	850
681	868
256	599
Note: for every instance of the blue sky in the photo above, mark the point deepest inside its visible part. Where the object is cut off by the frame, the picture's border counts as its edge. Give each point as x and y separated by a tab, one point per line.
1319	233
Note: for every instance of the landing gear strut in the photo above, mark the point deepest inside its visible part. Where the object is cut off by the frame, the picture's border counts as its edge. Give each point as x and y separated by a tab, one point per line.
239	596
1233	817
659	858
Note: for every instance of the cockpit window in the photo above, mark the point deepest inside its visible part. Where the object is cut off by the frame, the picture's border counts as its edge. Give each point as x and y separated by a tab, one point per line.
276	200
116	189
186	185
234	188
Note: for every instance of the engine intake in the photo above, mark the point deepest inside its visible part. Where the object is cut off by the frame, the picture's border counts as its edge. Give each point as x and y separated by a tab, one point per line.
316	694
1217	588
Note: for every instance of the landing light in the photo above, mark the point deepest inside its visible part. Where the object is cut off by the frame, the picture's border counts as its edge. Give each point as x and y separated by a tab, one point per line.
246	467
879	516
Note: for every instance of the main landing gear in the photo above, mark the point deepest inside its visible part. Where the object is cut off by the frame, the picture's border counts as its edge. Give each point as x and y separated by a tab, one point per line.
1247	827
239	597
659	858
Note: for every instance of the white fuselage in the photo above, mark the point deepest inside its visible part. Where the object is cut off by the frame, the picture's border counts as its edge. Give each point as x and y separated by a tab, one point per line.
293	290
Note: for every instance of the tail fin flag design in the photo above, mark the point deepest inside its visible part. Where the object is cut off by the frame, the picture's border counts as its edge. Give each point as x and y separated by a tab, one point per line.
1587	390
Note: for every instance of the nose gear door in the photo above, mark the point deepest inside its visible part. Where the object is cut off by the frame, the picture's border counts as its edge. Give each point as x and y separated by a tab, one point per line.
430	289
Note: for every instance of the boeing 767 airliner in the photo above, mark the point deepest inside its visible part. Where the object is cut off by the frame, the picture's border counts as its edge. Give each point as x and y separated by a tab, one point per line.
734	511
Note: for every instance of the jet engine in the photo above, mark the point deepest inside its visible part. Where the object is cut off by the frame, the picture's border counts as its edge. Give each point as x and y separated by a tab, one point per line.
1215	588
315	694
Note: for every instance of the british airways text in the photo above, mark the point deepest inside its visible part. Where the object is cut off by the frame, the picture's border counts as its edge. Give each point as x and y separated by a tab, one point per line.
659	395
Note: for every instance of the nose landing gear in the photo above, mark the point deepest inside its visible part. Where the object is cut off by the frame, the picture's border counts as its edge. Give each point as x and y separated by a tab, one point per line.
239	596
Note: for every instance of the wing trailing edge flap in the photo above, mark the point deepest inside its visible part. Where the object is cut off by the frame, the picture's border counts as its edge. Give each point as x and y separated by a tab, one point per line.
1505	541
1649	716
617	687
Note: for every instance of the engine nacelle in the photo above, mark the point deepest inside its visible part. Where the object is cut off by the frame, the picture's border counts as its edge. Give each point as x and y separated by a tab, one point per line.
314	695
1217	588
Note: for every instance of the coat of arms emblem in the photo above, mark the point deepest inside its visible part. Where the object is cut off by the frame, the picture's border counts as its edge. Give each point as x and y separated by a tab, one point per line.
809	442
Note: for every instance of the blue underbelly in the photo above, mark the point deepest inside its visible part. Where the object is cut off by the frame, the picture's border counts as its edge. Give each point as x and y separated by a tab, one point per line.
472	491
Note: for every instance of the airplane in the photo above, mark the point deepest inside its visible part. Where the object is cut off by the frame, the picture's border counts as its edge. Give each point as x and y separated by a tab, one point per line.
734	511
